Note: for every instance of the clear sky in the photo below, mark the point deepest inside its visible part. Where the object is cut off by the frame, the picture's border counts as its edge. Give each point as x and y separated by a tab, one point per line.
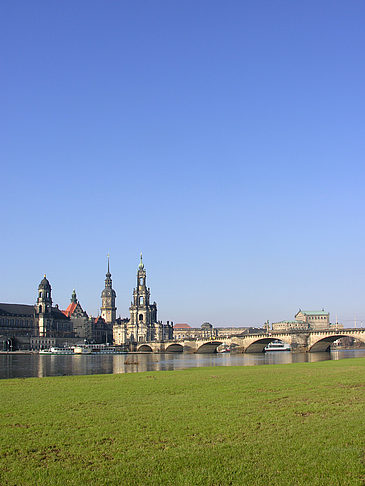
224	139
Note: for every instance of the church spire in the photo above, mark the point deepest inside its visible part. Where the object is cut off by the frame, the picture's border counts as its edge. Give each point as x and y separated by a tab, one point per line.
108	273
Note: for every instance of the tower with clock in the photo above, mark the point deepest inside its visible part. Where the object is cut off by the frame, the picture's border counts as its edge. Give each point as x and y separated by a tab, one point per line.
108	295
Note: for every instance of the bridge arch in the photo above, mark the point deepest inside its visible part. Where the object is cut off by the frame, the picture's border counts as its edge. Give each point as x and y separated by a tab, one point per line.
324	343
174	348
209	347
145	348
259	345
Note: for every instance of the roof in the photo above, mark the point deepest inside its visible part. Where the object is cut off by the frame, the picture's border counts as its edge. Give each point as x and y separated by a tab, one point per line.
70	309
27	310
313	313
44	283
58	314
206	325
17	309
182	326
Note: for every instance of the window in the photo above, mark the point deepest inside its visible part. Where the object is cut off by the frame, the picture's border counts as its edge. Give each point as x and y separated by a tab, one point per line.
141	300
140	318
141	281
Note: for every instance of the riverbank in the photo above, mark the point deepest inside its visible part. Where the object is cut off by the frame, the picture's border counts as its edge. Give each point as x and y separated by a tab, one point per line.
299	424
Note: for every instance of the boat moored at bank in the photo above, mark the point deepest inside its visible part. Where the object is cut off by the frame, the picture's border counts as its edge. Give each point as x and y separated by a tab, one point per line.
55	350
81	349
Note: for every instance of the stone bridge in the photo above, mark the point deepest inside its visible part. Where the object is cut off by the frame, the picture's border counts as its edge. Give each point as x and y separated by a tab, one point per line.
187	346
299	341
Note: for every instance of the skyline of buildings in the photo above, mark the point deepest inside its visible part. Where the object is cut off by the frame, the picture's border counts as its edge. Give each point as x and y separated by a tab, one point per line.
108	308
44	324
219	309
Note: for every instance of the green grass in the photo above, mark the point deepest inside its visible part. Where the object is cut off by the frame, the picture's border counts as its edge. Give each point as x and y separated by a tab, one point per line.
299	424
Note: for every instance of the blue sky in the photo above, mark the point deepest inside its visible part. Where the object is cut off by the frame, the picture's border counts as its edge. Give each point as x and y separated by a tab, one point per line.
225	140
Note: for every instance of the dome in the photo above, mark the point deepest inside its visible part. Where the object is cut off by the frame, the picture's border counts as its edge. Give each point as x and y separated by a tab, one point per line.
206	325
108	293
44	284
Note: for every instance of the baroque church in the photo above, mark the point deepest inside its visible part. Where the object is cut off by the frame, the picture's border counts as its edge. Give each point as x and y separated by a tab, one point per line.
143	326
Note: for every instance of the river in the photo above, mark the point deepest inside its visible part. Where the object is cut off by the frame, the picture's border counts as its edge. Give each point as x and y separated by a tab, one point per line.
35	365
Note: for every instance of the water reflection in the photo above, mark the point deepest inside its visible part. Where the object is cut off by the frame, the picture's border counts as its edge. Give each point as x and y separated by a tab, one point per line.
22	366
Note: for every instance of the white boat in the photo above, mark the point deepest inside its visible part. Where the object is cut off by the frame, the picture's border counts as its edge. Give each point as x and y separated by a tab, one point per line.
54	350
84	349
277	346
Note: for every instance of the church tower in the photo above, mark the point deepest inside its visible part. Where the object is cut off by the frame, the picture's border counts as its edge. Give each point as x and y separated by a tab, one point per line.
108	295
143	314
44	307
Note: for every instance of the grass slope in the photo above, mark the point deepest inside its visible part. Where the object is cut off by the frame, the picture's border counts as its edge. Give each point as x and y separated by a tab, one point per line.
300	424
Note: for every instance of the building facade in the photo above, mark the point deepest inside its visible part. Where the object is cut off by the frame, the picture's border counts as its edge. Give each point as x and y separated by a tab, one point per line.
312	320
79	318
143	325
34	326
205	331
289	325
228	332
101	332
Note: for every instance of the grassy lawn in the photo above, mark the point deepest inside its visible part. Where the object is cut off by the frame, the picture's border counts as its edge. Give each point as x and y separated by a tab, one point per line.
298	424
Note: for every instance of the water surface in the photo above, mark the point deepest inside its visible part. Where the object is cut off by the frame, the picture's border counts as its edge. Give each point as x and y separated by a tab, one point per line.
24	366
